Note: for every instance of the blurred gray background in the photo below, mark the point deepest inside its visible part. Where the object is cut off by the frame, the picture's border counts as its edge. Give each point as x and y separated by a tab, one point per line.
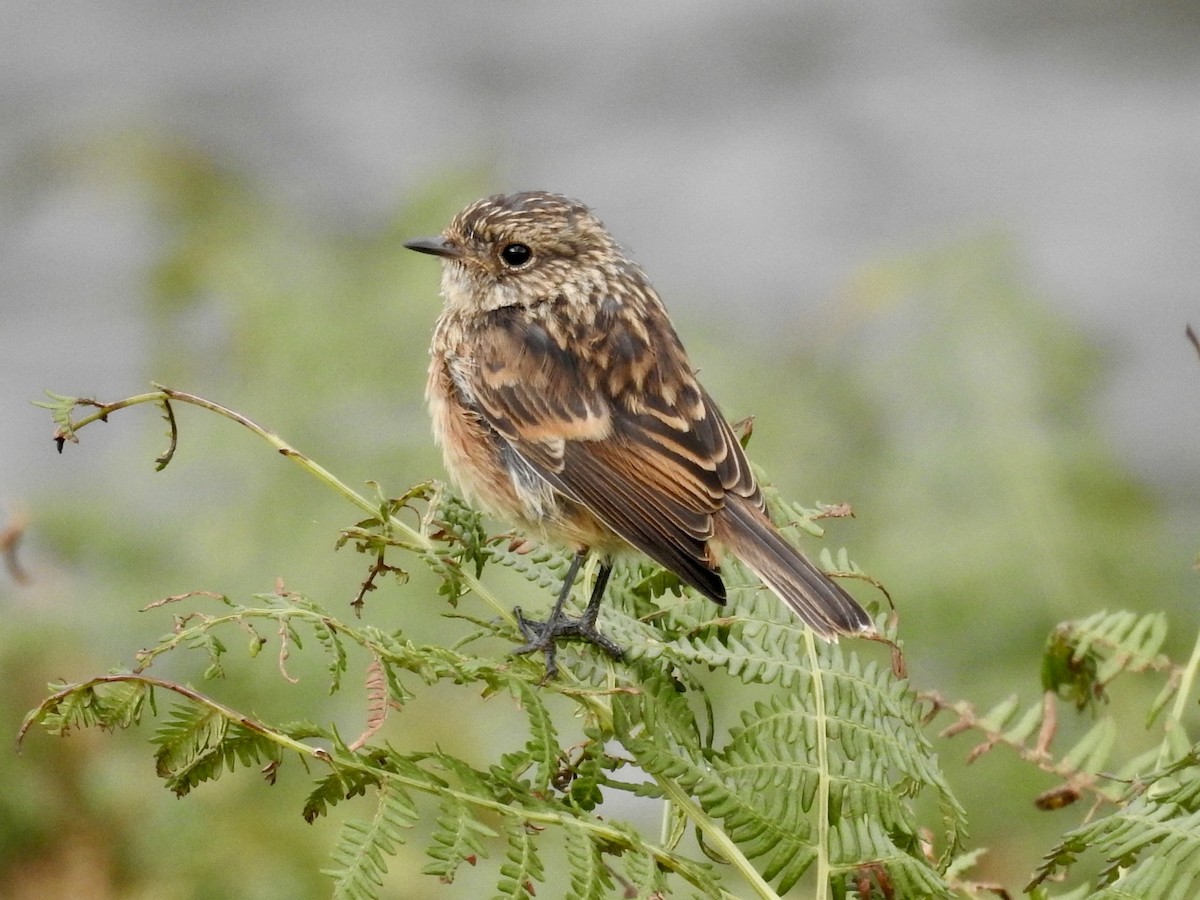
750	155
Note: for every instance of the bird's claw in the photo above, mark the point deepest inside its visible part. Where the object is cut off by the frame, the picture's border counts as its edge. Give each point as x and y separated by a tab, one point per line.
545	635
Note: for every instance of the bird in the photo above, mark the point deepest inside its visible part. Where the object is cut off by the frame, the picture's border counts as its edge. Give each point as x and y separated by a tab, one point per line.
565	404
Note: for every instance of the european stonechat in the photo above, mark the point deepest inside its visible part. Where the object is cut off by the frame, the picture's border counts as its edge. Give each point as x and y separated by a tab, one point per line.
565	403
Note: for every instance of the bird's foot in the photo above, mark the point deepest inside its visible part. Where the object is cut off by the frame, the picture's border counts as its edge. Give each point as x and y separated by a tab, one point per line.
545	635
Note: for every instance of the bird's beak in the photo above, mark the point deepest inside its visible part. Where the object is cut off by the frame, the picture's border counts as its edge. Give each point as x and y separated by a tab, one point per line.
435	246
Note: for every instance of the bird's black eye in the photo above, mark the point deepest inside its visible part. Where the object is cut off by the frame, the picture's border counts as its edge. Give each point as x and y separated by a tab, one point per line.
516	255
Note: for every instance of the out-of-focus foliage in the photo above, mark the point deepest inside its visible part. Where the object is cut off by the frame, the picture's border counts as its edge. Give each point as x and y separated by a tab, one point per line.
947	406
818	771
324	337
957	415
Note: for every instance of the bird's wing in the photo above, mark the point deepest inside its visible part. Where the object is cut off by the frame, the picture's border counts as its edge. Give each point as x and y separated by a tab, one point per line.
609	413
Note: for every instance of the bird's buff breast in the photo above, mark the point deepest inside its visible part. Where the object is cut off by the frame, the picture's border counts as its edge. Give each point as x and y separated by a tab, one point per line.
474	459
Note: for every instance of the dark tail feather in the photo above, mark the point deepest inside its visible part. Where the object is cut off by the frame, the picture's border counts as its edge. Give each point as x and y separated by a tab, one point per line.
816	599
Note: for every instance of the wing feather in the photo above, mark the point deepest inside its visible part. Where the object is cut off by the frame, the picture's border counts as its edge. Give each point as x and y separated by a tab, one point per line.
632	438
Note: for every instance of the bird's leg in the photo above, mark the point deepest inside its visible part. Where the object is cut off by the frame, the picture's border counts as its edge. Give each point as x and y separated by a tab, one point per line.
532	628
592	610
545	635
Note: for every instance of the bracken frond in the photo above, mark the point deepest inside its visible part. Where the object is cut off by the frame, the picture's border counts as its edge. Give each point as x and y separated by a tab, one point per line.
457	838
1151	846
523	869
362	850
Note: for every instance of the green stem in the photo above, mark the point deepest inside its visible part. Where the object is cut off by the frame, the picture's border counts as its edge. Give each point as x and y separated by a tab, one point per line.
823	779
241	614
306	463
67	431
194	696
717	837
601	833
1179	707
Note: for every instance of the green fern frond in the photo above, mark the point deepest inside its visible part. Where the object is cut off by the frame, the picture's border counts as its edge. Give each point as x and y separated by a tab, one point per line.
340	784
673	717
186	733
907	873
655	746
460	528
212	645
331	643
61	406
762	783
1027	725
590	878
123	705
748	643
362	850
543	746
1127	641
1151	846
538	563
653	583
1091	752
1083	656
823	760
583	778
643	875
523	869
457	838
108	706
196	744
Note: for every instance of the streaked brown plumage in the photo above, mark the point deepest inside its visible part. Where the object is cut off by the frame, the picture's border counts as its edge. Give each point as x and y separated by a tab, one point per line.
564	402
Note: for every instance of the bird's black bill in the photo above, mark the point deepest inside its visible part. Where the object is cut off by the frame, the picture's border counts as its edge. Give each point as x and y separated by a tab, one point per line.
435	246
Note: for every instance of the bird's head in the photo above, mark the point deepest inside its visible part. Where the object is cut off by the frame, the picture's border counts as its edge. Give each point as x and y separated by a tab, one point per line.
519	249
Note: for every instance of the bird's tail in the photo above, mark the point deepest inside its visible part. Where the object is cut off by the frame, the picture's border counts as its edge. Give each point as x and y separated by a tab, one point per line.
748	534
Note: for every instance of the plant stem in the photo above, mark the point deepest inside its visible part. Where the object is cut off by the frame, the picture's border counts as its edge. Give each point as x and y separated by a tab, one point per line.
193	695
67	431
1182	695
601	832
823	780
716	834
312	467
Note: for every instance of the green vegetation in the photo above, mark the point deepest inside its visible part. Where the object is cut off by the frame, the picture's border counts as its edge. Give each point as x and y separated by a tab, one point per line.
373	695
